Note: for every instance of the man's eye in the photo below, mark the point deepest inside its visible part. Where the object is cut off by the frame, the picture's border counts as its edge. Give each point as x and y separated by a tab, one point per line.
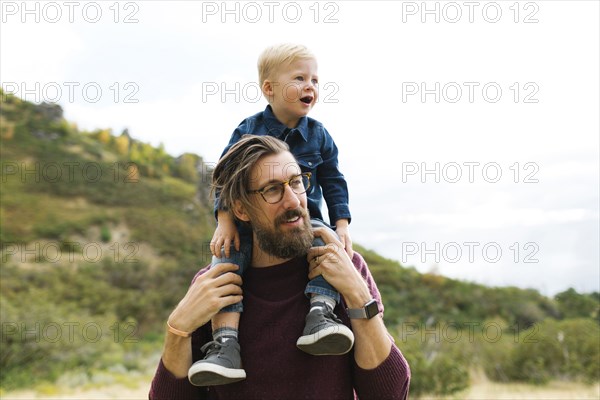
296	182
272	189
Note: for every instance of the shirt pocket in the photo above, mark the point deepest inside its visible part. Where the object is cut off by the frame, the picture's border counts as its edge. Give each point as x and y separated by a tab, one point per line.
309	162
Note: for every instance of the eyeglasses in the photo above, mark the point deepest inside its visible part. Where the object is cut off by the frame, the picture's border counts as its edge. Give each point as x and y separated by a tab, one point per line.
273	193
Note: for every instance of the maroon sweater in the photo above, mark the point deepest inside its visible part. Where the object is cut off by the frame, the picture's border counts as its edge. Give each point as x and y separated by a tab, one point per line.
272	321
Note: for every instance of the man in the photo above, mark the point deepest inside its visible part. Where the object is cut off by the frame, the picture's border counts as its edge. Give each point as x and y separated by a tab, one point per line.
273	293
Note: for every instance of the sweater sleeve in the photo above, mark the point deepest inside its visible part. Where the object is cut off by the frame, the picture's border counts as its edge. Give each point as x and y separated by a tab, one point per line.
391	379
166	386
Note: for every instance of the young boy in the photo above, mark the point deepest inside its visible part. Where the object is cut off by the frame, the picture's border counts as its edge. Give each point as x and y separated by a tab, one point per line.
289	82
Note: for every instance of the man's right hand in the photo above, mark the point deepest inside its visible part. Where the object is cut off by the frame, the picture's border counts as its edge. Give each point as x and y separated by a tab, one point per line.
216	288
210	292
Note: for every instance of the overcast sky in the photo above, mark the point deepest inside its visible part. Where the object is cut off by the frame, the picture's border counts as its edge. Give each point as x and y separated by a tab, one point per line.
468	131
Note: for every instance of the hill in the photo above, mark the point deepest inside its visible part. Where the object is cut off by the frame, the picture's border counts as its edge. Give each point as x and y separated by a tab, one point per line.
101	234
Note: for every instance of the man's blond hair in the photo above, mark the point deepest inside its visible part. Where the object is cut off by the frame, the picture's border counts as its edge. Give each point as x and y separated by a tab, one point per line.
280	55
232	176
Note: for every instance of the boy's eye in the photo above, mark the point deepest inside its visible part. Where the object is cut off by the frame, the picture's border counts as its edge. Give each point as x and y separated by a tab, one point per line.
300	78
315	81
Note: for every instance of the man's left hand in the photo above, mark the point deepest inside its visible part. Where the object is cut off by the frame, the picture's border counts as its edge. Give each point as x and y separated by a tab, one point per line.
333	263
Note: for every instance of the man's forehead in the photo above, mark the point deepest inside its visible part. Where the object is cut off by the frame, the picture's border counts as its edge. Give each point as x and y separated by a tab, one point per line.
275	167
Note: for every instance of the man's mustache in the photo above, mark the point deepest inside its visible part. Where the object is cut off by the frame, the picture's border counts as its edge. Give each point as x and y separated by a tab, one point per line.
289	214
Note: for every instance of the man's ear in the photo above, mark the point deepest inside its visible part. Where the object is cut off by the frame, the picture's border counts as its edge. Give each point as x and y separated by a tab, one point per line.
240	211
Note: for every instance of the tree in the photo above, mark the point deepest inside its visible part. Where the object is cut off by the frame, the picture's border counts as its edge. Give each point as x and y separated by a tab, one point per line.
574	305
122	144
104	136
186	167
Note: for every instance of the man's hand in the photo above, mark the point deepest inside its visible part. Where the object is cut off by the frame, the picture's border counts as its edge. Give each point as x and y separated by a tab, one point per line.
335	265
210	292
341	228
225	234
216	288
372	343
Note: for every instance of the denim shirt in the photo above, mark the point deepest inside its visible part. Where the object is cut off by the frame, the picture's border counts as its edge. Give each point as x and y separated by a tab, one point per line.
315	151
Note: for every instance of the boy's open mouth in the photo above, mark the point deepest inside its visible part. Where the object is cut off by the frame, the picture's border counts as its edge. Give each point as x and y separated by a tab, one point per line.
306	99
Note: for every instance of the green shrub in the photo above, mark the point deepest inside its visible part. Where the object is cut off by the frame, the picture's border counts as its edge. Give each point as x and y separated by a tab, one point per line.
105	234
567	350
438	366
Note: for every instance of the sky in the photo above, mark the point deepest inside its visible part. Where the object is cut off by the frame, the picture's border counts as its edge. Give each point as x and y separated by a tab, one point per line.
468	131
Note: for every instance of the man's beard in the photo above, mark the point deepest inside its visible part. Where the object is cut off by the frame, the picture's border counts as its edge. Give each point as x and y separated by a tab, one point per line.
286	244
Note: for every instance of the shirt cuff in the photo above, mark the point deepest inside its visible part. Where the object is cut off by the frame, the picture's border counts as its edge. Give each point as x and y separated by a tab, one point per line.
337	212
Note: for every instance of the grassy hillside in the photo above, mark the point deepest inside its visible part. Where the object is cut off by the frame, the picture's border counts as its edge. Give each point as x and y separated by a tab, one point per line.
100	235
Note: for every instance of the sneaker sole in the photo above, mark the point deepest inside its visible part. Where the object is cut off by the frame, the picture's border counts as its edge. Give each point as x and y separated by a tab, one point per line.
332	341
206	374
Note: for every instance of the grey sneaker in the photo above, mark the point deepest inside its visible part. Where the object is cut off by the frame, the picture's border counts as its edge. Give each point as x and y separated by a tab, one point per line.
221	365
324	334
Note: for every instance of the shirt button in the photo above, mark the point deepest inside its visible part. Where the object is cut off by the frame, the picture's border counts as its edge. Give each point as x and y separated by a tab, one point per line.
310	163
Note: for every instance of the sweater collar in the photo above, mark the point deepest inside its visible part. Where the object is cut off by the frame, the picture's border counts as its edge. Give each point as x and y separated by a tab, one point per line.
279	281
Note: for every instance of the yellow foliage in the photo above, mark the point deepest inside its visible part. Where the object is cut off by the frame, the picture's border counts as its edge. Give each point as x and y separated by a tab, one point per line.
122	143
7	132
104	136
133	173
433	280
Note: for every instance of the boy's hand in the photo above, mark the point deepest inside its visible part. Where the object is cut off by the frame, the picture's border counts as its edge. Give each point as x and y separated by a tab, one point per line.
341	228
224	235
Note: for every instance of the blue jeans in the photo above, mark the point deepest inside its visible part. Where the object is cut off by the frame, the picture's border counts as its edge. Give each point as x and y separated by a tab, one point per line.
243	258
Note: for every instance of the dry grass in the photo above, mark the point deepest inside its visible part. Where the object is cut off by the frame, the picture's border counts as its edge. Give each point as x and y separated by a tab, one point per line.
130	391
483	389
108	392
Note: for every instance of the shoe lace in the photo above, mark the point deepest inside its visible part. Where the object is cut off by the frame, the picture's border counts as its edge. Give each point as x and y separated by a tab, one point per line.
211	347
329	314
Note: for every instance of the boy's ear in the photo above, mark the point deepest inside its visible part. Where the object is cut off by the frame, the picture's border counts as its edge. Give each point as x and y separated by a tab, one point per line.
240	211
268	89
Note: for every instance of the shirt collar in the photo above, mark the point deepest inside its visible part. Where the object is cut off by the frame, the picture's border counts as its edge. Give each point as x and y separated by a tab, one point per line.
279	130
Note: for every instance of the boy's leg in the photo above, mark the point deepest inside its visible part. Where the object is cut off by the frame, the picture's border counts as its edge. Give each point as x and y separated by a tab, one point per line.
222	363
324	333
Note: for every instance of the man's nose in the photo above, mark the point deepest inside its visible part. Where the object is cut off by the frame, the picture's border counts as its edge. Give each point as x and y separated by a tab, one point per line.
291	200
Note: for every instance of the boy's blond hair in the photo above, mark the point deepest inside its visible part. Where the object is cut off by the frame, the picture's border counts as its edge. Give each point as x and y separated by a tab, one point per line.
274	57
